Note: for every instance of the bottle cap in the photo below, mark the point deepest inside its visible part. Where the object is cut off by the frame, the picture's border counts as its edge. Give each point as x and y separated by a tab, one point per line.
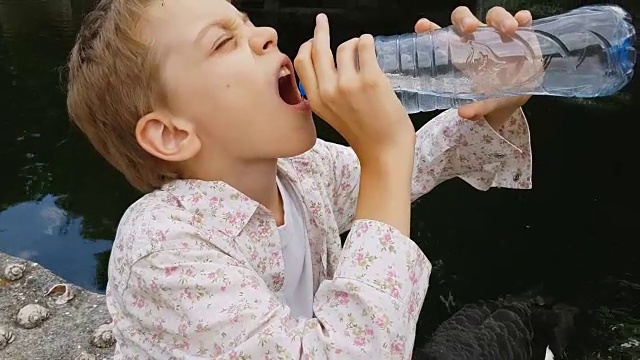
302	92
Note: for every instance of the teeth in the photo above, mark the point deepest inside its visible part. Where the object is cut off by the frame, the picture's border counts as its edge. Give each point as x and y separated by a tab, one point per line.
284	72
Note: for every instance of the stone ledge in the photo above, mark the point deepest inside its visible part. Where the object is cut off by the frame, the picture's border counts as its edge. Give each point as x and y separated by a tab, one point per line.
67	332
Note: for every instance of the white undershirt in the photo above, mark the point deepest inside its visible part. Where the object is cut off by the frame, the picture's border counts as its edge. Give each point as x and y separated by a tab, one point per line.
298	278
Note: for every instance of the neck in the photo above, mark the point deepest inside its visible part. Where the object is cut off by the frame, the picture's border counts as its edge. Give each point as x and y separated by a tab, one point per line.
256	179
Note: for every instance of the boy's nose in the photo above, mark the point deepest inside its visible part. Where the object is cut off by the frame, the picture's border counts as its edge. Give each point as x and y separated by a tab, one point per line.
264	39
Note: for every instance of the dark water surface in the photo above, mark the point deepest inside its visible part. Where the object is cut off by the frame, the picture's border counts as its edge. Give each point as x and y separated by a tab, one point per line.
573	237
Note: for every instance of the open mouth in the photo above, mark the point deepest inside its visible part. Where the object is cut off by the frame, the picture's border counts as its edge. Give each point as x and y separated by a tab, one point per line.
287	88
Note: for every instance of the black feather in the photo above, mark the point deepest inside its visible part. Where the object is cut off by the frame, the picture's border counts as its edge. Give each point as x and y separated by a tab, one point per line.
504	329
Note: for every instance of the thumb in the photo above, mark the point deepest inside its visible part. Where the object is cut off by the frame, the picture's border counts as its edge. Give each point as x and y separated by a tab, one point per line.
476	110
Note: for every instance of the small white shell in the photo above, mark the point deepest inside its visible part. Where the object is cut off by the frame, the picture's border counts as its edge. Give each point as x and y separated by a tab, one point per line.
103	336
13	272
65	290
32	315
6	337
85	356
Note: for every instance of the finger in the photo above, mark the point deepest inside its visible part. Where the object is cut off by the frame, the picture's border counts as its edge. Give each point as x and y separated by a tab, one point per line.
304	69
346	60
367	56
476	110
463	19
321	54
424	25
501	19
480	109
524	18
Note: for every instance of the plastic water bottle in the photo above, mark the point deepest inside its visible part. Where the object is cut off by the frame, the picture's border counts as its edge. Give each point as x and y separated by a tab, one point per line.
586	52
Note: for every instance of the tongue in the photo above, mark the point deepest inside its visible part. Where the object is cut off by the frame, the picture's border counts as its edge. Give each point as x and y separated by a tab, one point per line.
287	92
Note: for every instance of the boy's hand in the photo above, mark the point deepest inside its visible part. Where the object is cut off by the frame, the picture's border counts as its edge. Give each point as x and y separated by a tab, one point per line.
495	111
355	99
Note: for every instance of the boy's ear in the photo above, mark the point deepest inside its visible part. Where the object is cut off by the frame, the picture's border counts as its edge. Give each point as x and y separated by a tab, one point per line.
167	137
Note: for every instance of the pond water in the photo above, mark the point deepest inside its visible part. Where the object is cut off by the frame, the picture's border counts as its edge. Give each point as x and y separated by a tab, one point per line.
572	237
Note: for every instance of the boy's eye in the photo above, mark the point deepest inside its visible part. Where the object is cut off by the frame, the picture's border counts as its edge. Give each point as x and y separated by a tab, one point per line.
221	44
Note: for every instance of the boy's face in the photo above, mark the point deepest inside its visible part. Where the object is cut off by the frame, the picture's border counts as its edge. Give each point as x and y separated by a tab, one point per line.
224	77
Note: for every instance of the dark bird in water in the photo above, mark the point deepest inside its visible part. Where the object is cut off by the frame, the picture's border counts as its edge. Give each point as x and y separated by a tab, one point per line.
523	328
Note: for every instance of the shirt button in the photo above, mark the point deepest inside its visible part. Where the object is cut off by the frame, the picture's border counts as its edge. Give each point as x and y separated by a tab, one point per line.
516	177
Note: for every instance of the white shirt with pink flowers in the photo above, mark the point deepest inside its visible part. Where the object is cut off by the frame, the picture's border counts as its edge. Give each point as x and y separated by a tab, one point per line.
198	270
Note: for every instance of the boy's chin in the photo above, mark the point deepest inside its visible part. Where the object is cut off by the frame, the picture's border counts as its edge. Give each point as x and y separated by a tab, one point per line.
301	144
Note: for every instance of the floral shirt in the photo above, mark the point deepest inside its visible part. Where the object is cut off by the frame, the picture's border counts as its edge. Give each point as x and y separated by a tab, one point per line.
196	270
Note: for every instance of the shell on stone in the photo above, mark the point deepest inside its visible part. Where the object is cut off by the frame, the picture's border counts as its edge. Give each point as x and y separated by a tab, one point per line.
13	272
103	336
85	356
65	292
6	337
32	315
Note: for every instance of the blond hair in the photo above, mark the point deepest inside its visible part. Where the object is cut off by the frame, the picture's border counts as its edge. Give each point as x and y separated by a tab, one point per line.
113	82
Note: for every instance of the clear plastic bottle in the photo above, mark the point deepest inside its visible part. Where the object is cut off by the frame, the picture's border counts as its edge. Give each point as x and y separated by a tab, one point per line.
586	52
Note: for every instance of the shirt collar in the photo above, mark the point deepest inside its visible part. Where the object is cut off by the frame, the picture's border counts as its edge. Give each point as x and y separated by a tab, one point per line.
224	207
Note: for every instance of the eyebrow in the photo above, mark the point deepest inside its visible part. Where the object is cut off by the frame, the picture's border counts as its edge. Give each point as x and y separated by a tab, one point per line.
224	23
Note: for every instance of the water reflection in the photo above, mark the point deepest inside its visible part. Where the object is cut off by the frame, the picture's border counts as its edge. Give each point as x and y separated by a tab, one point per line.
43	157
41	231
572	236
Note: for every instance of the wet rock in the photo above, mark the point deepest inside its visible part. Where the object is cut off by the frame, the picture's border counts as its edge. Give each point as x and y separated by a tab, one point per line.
69	328
13	272
32	315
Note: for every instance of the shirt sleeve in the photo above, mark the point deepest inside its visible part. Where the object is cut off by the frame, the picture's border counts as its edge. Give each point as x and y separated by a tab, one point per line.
196	302
446	147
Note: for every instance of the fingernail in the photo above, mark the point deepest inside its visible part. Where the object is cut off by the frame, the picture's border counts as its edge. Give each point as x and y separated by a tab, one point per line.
321	17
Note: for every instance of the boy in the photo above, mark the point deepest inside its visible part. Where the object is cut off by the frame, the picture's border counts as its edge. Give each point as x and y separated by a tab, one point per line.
235	251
